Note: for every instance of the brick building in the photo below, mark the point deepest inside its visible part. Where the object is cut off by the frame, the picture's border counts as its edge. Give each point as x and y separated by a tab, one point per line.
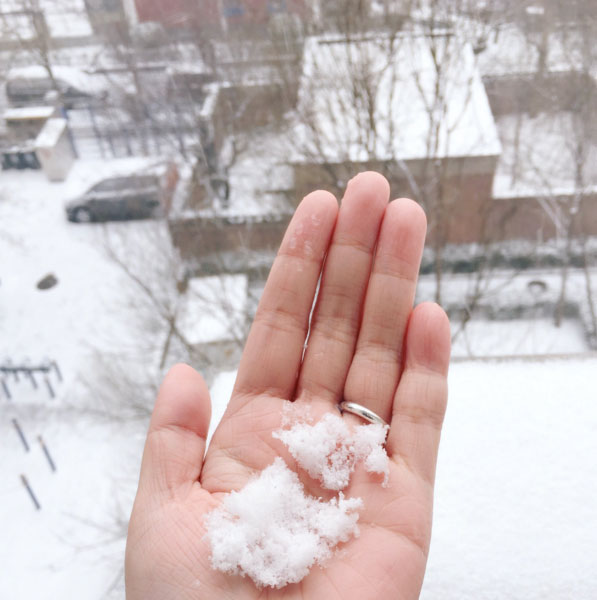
215	13
373	103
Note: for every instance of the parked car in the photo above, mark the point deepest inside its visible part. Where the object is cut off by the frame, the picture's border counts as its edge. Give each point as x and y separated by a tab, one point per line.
136	196
32	85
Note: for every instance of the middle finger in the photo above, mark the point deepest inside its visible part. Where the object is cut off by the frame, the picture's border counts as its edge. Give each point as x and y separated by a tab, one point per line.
337	316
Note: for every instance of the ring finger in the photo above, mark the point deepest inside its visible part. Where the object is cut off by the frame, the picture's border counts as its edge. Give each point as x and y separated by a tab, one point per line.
376	367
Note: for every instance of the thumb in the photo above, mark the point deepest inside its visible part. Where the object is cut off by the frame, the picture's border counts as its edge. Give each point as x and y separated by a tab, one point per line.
175	444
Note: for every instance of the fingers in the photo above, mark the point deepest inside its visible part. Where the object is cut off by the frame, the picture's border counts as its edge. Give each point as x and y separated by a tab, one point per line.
337	317
274	348
375	369
175	443
420	401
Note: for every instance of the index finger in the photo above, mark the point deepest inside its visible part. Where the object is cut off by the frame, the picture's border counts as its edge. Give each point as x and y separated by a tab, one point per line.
274	348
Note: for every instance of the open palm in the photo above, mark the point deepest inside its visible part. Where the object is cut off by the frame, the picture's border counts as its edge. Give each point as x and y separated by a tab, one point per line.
365	344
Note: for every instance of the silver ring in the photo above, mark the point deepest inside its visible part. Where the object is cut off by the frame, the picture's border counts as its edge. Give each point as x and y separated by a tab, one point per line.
361	411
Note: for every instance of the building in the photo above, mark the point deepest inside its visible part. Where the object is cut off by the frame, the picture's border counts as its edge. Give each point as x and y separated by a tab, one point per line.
222	14
381	103
542	89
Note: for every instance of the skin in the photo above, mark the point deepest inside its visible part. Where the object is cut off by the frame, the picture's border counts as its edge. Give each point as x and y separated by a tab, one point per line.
365	344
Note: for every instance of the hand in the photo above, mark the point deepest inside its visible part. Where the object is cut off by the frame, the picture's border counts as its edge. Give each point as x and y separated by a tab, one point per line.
366	344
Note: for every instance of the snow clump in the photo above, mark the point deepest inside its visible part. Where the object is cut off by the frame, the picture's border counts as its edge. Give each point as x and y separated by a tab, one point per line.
271	530
274	533
330	449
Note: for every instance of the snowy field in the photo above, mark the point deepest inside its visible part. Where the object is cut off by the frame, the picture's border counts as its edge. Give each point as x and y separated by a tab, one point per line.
74	546
36	240
515	512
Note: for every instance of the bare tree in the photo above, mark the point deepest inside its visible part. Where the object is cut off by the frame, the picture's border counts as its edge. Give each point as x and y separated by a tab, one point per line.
170	317
398	95
581	144
556	135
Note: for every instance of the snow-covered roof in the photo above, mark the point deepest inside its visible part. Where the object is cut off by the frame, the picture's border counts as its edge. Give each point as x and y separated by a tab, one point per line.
70	75
516	52
540	157
29	112
195	67
373	98
211	100
50	134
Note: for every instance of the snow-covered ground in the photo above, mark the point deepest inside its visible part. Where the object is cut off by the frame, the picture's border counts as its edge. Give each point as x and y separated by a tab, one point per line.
514	314
515	511
519	337
94	305
35	240
73	547
215	309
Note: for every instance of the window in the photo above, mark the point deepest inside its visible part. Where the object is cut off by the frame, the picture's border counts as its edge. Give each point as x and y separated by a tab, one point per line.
141	181
122	184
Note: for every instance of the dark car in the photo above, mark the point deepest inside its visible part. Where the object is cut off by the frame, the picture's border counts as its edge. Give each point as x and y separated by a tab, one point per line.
32	85
118	198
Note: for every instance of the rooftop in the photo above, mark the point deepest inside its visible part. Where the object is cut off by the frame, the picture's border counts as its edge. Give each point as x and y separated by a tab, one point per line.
381	98
540	157
72	76
29	112
50	134
514	52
